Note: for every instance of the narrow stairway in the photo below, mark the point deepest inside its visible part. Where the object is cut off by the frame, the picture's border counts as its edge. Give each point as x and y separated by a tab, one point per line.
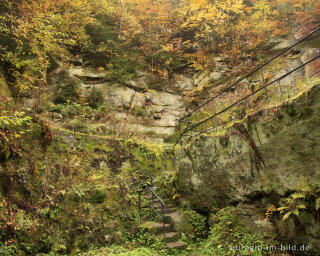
167	231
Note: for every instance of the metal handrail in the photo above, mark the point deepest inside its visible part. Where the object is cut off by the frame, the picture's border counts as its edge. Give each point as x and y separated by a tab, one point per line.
249	95
192	127
153	194
252	72
146	172
160	215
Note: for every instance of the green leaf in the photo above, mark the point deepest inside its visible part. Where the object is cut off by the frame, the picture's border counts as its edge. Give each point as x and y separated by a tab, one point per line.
298	195
281	209
301	206
62	192
296	212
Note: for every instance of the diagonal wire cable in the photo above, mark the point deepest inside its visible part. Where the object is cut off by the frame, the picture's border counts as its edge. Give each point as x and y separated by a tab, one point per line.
249	95
252	72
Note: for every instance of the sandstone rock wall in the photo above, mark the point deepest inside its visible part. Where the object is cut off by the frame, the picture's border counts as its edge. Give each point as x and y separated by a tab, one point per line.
162	109
268	152
164	106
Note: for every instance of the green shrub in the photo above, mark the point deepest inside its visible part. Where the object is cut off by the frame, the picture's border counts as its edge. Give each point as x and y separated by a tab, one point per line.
95	98
305	197
9	250
138	111
64	93
51	107
171	138
229	236
101	111
198	223
97	196
71	110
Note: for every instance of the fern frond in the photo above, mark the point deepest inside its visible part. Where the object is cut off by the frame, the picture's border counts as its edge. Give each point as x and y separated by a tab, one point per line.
296	212
298	195
281	209
304	185
301	207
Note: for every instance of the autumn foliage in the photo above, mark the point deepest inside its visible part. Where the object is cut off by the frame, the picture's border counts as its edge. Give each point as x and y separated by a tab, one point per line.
162	37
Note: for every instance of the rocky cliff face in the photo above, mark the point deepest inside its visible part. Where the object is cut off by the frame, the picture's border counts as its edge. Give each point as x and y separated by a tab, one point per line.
160	109
269	151
160	103
263	157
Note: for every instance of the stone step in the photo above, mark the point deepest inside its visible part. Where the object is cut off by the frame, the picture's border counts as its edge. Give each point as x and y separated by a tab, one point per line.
148	196
166	210
173	218
176	245
158	204
169	237
157	228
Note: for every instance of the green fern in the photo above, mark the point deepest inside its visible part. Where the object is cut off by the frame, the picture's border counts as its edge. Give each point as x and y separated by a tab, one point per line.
298	201
298	195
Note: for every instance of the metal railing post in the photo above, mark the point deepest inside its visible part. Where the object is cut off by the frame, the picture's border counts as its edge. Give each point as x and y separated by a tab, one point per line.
163	224
151	192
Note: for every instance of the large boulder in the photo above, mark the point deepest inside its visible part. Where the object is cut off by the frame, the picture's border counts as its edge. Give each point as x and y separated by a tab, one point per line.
120	97
268	152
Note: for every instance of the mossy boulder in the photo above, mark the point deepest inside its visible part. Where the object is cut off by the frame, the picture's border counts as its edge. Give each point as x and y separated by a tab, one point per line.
267	152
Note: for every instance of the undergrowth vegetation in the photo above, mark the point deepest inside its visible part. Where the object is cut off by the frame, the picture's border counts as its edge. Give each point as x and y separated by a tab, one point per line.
68	152
229	236
305	197
91	203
